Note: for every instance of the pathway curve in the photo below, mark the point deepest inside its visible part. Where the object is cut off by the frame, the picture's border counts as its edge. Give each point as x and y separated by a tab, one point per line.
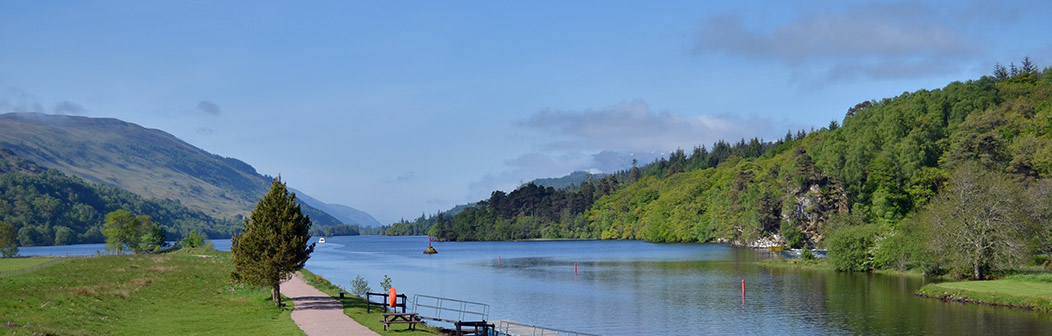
318	313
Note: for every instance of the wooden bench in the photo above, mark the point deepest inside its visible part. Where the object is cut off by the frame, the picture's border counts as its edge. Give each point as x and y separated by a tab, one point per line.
408	318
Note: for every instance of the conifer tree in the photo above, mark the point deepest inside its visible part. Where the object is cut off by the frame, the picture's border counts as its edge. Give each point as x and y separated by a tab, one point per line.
273	242
8	243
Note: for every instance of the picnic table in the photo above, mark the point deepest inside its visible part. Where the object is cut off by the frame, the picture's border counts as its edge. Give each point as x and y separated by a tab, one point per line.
409	318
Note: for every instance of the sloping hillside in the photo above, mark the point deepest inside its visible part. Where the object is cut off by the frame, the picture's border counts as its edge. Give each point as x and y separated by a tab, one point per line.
52	208
147	162
342	213
890	158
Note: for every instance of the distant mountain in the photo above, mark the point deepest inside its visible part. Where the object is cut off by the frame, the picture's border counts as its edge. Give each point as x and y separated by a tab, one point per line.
610	162
420	226
147	162
343	213
574	179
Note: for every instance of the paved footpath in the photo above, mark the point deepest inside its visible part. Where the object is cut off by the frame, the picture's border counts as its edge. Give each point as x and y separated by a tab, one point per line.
317	313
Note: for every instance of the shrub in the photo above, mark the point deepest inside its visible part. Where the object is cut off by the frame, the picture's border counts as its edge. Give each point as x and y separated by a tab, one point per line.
386	284
849	248
359	286
793	237
196	240
807	255
904	247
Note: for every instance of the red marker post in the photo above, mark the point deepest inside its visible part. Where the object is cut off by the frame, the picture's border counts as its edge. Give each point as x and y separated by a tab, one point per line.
743	291
575	269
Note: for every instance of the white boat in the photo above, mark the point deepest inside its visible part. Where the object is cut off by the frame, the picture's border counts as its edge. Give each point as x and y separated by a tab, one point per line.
321	240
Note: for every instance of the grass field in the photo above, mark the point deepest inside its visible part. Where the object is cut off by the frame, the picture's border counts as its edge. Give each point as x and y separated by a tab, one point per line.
1030	291
14	264
181	293
354	307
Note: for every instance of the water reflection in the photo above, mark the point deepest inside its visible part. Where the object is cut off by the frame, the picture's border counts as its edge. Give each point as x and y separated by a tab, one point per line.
637	288
626	288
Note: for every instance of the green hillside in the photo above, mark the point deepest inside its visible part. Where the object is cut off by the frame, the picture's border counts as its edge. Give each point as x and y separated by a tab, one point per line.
52	208
147	162
885	164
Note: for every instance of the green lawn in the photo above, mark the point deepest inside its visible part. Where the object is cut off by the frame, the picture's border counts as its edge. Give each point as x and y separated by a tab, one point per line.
181	293
354	307
1025	291
12	264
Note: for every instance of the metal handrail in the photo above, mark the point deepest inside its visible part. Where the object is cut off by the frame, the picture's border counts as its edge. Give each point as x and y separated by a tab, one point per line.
440	307
504	326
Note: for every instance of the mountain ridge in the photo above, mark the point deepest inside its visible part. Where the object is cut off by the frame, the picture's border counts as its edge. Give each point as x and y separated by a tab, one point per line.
146	161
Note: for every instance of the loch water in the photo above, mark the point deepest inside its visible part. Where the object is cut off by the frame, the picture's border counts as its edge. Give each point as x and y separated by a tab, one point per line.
639	288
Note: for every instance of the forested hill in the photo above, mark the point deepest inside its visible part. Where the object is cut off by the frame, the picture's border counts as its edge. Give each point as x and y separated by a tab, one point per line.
148	162
887	161
48	207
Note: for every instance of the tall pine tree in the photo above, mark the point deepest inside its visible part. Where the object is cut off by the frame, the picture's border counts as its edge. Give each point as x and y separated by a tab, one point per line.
273	242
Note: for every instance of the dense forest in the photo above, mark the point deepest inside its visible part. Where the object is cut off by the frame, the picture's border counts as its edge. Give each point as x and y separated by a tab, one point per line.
52	208
877	178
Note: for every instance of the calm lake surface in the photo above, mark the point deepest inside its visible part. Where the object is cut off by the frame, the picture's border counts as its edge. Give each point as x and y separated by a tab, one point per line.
638	288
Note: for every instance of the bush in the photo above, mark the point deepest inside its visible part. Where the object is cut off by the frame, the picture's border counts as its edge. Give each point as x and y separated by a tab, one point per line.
904	247
359	286
807	255
196	240
793	237
386	284
849	248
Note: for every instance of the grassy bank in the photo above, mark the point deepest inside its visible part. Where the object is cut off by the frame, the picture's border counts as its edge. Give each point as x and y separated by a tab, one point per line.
824	265
354	307
1027	291
180	293
15	264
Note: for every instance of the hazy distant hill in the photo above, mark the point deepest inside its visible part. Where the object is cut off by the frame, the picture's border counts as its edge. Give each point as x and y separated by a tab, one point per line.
574	179
147	162
343	213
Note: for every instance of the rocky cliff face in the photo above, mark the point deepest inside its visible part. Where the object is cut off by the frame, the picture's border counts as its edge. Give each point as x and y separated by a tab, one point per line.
811	207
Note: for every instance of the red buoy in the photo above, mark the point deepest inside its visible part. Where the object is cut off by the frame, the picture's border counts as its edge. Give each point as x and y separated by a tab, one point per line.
392	296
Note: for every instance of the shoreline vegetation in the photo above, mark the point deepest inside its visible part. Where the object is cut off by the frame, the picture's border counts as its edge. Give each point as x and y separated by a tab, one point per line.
1028	291
1021	291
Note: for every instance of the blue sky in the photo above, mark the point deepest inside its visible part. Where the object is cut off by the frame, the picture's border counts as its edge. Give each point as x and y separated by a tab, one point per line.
404	107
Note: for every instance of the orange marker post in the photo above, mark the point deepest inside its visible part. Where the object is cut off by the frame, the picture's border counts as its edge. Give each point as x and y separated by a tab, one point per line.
743	291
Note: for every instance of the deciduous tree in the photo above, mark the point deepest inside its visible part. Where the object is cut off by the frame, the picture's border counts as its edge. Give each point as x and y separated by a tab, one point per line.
124	229
981	222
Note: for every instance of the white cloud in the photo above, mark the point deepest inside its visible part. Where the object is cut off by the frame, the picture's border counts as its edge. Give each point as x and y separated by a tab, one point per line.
880	41
634	127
